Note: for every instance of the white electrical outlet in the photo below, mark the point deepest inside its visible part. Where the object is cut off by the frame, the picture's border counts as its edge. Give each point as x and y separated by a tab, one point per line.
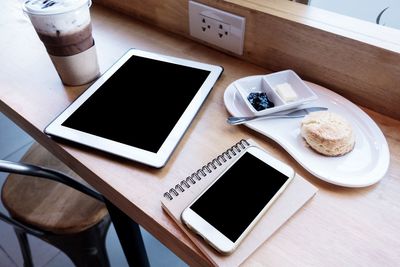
217	27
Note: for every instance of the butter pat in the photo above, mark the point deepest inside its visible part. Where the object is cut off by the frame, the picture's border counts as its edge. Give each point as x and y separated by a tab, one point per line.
286	92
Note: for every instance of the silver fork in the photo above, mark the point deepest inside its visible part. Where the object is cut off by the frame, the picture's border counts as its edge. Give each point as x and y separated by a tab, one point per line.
294	114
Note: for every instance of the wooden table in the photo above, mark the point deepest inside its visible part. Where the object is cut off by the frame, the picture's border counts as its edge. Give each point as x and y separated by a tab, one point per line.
338	227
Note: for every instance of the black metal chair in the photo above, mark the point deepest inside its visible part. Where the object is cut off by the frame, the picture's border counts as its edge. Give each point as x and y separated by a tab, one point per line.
54	207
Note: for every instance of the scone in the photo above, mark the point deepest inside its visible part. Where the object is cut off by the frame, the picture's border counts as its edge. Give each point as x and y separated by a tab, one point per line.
328	133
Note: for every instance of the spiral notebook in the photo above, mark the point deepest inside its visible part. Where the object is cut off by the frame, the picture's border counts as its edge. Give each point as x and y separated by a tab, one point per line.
181	194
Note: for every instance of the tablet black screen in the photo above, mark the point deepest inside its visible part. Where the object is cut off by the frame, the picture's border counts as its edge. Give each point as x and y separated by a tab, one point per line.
140	103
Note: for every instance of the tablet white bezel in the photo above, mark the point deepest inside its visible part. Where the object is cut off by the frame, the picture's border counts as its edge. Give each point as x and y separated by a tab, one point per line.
159	159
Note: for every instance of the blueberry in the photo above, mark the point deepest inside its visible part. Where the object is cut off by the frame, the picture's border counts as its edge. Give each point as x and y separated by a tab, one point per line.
260	101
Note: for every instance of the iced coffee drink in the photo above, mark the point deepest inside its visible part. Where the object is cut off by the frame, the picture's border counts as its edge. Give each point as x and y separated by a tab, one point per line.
64	27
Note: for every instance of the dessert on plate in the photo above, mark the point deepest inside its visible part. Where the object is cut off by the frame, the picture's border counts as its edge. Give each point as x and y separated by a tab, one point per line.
328	133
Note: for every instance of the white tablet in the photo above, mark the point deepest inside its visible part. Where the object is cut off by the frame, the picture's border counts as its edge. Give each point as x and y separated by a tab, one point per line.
140	108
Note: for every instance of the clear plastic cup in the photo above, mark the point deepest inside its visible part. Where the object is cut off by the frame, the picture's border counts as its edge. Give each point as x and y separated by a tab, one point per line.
64	27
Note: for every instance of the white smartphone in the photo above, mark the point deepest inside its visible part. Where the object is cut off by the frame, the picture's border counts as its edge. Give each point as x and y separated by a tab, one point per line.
228	209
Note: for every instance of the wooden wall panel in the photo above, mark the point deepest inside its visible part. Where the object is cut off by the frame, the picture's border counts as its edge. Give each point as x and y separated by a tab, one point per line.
356	59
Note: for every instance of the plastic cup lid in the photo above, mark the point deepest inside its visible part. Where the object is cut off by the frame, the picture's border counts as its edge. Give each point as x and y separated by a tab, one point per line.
51	7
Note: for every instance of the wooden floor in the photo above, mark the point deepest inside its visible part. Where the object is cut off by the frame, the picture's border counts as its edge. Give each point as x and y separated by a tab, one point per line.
13	144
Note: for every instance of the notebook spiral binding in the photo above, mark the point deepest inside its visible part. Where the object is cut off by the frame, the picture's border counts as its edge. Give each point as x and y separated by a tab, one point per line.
206	169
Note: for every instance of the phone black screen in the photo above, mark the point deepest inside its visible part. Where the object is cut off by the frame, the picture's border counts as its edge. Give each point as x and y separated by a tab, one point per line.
140	103
238	196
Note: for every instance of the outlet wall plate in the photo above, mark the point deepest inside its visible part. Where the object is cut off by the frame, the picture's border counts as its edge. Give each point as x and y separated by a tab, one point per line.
217	27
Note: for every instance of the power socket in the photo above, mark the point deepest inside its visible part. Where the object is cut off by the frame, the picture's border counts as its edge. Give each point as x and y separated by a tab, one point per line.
217	27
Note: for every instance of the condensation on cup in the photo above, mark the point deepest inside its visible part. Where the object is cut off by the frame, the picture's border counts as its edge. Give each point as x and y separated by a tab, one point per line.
64	27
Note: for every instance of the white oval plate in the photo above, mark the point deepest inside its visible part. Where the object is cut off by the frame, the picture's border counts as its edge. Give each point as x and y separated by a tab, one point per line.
364	166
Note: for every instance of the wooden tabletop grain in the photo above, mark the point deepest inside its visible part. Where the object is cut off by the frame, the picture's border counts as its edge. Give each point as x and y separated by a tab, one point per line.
338	227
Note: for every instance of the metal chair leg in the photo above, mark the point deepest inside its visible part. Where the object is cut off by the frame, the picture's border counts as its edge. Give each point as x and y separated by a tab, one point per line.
24	245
